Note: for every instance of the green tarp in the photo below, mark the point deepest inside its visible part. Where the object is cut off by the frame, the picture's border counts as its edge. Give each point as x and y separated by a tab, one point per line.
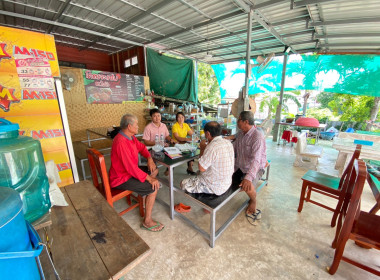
171	77
349	74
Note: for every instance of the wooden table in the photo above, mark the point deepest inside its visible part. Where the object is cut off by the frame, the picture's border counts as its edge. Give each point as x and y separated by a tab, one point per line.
346	148
89	239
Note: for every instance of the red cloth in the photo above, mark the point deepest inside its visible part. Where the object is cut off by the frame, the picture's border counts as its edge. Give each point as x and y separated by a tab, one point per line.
294	139
124	160
287	135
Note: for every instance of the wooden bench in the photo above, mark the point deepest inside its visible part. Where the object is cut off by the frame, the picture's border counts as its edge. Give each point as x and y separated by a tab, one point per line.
306	155
88	238
213	204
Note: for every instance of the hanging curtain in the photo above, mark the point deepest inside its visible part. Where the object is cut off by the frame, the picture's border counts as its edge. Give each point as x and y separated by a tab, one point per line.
171	77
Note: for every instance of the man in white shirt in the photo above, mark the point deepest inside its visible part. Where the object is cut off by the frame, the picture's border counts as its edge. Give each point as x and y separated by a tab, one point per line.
216	164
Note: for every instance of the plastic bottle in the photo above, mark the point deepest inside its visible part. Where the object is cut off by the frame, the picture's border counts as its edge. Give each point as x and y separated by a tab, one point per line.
22	168
162	140
156	140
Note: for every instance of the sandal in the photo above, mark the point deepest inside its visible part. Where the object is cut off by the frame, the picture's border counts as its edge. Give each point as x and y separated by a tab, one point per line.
253	217
156	228
182	208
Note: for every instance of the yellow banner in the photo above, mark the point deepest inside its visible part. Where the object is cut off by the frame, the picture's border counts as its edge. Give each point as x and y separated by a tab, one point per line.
28	65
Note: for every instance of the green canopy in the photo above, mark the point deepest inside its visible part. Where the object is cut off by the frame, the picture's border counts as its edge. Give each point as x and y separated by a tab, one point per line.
349	74
171	77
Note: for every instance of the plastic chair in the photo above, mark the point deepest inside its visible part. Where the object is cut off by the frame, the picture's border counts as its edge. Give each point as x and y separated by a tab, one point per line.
327	185
98	166
358	225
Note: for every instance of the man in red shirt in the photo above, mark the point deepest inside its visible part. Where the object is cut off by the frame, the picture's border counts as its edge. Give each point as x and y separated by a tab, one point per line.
125	174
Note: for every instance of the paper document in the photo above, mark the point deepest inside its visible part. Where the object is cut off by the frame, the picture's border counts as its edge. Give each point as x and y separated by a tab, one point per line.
172	150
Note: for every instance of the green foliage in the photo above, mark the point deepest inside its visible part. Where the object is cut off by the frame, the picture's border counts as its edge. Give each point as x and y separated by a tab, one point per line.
321	114
271	100
351	107
324	98
208	87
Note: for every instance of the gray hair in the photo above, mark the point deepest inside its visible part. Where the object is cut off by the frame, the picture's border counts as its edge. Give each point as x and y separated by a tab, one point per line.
247	116
126	120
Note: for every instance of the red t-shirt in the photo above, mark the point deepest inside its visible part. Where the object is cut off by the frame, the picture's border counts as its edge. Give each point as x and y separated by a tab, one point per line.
124	160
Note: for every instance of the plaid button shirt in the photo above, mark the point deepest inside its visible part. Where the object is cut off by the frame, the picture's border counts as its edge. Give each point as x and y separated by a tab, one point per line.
218	160
250	152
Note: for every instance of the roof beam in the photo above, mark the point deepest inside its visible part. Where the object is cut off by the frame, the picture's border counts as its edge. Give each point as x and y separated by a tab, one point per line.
256	15
254	41
70	27
353	35
254	29
306	2
368	44
207	22
130	21
243	58
57	16
344	21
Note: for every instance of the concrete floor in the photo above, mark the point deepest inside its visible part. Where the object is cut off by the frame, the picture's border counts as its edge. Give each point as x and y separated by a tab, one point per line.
284	245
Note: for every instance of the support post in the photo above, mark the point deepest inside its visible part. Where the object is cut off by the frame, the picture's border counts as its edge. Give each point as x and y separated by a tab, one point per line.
279	107
247	63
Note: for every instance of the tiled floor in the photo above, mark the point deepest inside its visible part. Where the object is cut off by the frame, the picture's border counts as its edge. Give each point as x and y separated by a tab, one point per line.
284	245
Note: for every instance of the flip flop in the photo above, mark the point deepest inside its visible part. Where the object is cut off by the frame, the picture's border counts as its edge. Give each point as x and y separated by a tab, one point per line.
153	227
253	217
182	208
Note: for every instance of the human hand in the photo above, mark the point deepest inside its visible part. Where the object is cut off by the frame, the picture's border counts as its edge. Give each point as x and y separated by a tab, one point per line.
154	173
154	182
203	144
166	144
151	165
172	141
246	185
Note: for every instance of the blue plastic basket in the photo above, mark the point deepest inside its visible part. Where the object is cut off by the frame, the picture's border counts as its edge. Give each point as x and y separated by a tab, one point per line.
327	135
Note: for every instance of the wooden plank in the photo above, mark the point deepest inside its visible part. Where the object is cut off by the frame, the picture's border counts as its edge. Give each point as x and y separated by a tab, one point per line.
74	255
117	243
42	222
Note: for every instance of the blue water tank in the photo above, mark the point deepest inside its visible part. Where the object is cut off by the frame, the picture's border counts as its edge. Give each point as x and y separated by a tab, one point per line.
17	255
22	168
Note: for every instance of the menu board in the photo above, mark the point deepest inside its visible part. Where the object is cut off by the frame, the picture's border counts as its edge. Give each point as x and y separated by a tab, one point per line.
110	88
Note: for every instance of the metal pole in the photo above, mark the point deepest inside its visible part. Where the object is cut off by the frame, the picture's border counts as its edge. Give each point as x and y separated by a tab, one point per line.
247	65
279	107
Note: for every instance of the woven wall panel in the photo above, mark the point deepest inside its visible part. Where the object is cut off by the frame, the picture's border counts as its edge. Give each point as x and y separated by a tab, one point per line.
82	115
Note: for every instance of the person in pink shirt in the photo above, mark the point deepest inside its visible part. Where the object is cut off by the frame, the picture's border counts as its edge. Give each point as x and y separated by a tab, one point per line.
156	127
250	160
125	174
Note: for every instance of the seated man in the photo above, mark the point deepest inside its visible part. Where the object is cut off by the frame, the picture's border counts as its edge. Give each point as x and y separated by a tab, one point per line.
125	173
216	164
251	158
156	127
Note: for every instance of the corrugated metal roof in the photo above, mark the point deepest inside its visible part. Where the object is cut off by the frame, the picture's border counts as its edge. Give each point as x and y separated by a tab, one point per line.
213	31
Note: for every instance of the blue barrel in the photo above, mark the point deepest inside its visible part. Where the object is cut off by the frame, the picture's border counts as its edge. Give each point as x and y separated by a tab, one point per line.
17	253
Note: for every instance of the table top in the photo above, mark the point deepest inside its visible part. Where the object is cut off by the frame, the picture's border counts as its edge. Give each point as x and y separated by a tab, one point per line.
90	239
349	145
167	161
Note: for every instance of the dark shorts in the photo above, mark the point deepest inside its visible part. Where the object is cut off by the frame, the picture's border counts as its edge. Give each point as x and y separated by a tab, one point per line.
238	176
141	188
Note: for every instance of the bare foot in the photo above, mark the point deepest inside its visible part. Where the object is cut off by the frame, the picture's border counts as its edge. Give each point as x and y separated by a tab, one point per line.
250	209
153	226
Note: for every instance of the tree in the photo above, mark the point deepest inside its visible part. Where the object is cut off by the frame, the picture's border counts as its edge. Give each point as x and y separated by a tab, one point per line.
208	87
271	100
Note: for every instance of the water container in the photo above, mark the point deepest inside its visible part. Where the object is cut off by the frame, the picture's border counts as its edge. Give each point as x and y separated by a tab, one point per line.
17	253
22	168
